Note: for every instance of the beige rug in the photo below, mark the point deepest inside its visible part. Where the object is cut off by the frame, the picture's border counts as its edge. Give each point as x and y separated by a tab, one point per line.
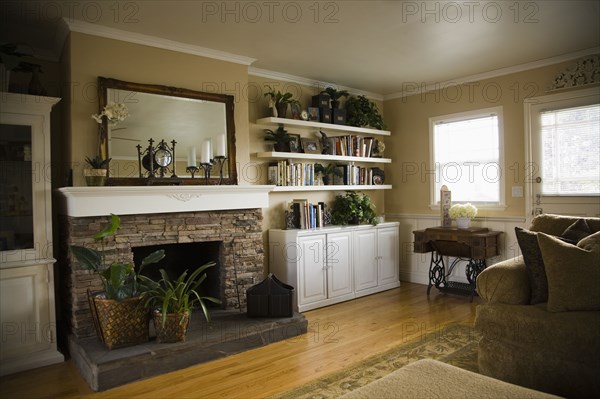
455	344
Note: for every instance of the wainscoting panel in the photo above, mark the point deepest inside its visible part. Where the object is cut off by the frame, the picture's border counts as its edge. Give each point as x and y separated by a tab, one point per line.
414	267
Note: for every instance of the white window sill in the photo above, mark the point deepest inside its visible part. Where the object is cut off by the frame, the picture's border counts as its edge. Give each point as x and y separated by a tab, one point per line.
497	207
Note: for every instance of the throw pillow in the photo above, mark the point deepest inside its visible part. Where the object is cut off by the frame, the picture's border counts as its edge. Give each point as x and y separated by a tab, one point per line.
576	232
573	273
534	264
590	243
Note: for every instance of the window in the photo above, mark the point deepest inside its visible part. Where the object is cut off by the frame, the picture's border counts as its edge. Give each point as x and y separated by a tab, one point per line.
570	140
466	151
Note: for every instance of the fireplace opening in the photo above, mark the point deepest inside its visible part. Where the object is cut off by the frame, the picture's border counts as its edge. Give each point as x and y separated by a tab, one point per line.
188	256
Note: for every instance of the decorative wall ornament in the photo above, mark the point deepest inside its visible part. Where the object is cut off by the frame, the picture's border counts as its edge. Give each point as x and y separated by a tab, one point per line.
586	71
183	197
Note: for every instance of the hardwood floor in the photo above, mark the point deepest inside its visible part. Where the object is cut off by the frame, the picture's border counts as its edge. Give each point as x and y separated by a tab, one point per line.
338	336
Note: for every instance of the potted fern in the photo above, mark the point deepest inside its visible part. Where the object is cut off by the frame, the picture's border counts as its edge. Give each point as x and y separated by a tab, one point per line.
335	96
97	172
118	316
280	137
172	302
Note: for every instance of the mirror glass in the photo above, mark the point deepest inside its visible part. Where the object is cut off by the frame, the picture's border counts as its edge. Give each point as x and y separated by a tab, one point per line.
190	118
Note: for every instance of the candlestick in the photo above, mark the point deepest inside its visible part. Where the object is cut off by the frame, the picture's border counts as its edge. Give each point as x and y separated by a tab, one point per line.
191	157
192	170
206	152
221	147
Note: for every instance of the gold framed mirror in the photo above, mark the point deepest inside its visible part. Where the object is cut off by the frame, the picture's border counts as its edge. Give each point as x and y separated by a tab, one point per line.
188	117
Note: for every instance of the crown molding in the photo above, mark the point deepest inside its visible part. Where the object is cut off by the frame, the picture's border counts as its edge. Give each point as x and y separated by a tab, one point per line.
496	73
153	41
264	73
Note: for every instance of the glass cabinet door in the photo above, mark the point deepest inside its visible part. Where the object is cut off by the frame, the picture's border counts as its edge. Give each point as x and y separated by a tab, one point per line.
24	191
16	194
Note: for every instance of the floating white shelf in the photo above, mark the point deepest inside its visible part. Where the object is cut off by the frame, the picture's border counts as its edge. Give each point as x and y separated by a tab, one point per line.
319	125
302	155
331	188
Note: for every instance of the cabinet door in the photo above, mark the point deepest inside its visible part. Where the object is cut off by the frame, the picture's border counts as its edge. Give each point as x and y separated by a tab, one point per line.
339	264
312	282
365	259
25	311
387	250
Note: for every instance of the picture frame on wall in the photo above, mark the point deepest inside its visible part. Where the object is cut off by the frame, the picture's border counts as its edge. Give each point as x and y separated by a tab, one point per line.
295	143
311	146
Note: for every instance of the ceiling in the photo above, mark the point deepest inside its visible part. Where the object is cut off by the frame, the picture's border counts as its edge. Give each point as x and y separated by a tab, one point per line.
374	46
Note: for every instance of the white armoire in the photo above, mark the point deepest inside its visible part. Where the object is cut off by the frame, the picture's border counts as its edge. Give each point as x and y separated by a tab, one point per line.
27	310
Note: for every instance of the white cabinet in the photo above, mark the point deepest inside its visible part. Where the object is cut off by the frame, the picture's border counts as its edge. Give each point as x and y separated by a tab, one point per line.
336	263
27	309
376	265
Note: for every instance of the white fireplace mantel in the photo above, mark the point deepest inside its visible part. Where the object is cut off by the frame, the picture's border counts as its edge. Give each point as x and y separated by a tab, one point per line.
133	200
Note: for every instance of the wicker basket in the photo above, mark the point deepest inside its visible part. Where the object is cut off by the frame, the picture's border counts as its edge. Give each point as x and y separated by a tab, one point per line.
175	327
119	324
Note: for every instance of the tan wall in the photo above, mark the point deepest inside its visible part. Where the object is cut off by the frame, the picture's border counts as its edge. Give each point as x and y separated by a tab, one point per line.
92	56
408	119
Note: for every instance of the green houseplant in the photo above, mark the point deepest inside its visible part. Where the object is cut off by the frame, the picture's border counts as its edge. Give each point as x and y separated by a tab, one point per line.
97	172
280	137
362	112
280	101
118	316
172	302
335	96
353	208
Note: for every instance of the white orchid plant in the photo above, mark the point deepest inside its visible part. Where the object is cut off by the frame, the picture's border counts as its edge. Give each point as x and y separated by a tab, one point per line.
467	210
113	112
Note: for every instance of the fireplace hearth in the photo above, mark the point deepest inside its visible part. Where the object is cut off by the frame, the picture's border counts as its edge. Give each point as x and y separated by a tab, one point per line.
230	332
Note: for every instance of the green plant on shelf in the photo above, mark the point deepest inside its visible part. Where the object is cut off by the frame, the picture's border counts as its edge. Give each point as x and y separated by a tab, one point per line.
353	208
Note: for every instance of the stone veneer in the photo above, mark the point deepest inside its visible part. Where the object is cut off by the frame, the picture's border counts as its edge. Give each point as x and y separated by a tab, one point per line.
239	230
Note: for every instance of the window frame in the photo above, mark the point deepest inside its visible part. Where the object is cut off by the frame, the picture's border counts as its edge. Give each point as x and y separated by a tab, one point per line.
460	116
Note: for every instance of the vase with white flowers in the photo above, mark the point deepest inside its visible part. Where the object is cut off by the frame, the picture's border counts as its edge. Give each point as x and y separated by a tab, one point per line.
463	213
113	113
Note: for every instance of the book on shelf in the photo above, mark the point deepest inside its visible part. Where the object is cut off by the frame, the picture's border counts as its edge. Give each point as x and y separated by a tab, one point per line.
306	214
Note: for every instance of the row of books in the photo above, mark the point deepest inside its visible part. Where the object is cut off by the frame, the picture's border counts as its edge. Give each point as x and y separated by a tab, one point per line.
289	173
352	145
307	215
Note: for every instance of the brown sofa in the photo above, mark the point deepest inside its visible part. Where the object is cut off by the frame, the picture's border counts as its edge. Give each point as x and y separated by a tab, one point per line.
552	345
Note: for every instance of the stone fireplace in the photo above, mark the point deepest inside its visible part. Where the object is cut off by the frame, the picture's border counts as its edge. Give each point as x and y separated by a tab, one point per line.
164	217
194	224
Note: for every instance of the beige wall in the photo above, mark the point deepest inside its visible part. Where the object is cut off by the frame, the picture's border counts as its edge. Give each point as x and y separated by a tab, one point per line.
408	119
92	56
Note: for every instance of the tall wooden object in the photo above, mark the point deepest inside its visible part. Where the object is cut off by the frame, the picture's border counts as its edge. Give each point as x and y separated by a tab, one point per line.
27	311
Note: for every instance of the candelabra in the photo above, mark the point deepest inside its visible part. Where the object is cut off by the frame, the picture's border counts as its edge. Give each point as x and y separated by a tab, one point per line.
218	162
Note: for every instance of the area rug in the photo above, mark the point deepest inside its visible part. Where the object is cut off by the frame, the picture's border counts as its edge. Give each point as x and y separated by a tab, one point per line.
455	344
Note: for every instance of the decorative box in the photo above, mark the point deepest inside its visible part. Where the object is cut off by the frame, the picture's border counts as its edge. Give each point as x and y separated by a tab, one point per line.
325	114
339	116
320	101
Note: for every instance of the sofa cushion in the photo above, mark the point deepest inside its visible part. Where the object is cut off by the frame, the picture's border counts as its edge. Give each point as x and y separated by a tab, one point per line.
557	224
573	273
576	231
534	264
568	335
